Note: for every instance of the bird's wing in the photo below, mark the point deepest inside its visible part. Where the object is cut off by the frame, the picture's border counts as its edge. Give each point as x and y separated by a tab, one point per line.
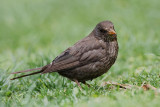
83	52
64	61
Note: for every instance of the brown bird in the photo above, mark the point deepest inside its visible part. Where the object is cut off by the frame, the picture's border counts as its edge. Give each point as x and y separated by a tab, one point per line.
87	59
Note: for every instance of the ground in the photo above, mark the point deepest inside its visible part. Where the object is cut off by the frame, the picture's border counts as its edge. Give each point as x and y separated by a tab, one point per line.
33	33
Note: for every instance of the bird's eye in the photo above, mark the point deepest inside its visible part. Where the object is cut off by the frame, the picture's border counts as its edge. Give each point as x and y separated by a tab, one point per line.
103	31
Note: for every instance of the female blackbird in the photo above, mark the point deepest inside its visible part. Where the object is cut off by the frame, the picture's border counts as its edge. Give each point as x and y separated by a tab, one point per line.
87	59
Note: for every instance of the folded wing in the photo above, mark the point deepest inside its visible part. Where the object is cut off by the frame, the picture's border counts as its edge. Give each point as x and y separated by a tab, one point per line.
81	53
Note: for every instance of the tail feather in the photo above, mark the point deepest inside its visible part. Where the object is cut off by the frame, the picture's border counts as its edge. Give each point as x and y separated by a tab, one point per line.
27	70
27	75
41	69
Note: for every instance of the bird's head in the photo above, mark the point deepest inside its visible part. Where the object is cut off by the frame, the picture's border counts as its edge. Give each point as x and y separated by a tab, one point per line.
105	30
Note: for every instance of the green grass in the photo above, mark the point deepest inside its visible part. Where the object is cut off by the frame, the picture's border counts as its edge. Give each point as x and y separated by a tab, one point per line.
34	32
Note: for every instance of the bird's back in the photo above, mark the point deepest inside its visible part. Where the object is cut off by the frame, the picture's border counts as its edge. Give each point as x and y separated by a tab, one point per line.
95	57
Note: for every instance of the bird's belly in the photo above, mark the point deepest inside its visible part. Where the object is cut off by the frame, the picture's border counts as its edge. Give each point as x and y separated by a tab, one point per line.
86	72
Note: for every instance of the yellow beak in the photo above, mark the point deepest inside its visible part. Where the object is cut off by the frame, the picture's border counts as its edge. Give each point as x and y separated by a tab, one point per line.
111	32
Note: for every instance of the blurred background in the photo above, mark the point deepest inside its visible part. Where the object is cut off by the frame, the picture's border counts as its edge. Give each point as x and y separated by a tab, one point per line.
34	32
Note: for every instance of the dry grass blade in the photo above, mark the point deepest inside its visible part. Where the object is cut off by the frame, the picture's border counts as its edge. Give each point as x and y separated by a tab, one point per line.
124	86
128	86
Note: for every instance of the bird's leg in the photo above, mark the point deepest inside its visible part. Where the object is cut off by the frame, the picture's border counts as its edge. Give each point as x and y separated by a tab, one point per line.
86	84
78	84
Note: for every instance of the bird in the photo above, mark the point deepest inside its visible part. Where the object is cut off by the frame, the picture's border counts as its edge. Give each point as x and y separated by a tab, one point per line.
87	59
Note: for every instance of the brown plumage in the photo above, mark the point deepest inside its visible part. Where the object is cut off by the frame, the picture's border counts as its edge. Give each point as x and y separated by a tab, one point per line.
88	58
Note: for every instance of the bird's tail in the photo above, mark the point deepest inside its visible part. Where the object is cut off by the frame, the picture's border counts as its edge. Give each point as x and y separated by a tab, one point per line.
41	69
27	75
27	70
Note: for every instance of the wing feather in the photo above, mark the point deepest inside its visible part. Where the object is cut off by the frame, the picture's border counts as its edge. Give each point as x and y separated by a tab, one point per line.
81	53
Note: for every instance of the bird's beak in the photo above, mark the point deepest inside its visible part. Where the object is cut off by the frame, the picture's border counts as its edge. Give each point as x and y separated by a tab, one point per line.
111	32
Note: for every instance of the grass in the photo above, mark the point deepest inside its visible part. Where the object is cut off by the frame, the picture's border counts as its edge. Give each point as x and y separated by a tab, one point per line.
33	33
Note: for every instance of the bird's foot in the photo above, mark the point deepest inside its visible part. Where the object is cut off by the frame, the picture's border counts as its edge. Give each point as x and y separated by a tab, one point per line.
86	84
78	84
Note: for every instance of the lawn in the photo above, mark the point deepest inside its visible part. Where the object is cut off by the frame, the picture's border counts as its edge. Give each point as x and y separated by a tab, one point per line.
34	32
